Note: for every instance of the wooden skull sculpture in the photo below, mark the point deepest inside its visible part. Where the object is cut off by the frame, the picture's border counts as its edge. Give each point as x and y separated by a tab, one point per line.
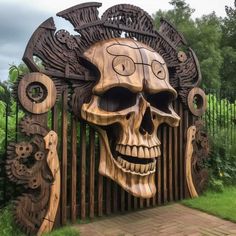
131	99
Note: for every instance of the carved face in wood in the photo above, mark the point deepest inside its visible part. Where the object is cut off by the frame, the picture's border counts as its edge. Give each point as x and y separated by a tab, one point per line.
131	99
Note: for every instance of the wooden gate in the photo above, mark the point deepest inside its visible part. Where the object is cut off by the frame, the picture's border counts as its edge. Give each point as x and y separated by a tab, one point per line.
67	98
87	194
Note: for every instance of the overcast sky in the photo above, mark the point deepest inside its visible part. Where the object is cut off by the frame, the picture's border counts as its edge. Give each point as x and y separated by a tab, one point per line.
19	19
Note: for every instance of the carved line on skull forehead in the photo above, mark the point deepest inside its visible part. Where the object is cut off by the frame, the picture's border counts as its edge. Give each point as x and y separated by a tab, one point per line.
122	49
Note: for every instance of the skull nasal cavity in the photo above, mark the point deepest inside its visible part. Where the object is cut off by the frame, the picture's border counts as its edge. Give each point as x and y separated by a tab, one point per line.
146	125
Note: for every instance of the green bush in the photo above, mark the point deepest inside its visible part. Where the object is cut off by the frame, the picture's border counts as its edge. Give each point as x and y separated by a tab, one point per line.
222	132
7	226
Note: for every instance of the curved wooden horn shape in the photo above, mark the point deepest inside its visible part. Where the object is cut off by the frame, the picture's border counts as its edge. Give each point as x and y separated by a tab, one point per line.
188	157
53	163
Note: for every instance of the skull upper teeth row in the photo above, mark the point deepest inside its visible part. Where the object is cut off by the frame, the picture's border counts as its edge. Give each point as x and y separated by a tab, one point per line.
140	169
139	151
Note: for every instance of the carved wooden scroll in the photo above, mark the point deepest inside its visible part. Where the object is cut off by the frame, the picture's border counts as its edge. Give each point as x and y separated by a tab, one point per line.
196	152
188	157
123	76
54	166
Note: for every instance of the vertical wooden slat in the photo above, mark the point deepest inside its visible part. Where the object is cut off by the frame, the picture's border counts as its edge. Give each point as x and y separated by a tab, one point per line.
108	196
154	199
159	172
55	118
181	152
129	201
175	161
100	195
64	158
115	199
186	125
83	170
122	200
163	166
73	169
148	202
141	201
135	203
170	171
92	171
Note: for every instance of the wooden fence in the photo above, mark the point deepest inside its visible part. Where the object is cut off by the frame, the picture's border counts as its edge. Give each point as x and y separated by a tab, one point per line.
87	194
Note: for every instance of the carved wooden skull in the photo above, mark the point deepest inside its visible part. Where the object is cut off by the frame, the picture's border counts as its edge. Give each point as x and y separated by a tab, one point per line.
131	99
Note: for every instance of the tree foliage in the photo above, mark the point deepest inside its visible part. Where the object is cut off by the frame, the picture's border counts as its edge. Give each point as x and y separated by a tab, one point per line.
211	37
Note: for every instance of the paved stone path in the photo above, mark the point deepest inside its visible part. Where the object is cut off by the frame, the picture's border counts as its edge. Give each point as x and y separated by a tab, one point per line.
168	220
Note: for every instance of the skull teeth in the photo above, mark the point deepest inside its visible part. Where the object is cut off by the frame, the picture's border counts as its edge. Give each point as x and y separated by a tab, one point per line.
136	168
139	151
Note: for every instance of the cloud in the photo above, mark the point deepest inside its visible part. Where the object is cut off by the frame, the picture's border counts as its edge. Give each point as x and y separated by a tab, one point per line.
17	23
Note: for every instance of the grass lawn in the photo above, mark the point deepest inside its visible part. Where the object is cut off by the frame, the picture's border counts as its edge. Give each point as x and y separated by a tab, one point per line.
8	228
219	204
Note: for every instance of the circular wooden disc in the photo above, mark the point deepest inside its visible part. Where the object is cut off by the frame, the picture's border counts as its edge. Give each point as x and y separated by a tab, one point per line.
197	101
34	83
182	56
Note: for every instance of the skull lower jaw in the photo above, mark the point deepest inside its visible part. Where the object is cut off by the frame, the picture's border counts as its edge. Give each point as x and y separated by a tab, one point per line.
139	183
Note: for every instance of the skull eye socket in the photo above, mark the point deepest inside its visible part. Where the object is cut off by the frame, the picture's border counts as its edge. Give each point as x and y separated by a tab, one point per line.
162	101
123	65
117	99
158	70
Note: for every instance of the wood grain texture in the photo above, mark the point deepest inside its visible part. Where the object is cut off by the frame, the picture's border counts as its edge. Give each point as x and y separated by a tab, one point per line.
37	93
64	159
73	170
91	171
51	140
133	74
197	102
83	170
170	164
191	132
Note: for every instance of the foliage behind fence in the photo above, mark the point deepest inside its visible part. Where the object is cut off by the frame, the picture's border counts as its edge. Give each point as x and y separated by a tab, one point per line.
220	121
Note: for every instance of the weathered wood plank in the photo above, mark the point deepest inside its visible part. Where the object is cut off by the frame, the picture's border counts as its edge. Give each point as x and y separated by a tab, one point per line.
159	172
83	170
135	203
92	171
170	170
108	196
64	157
176	161
164	165
115	197
100	195
186	125
122	200
129	197
181	158
73	169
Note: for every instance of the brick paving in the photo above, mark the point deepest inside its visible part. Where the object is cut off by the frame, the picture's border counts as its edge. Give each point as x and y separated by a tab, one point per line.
173	219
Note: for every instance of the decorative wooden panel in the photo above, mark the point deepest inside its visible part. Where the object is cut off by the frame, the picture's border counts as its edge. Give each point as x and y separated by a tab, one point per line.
128	94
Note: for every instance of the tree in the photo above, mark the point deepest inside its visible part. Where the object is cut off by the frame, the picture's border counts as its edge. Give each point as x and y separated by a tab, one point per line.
203	36
228	45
